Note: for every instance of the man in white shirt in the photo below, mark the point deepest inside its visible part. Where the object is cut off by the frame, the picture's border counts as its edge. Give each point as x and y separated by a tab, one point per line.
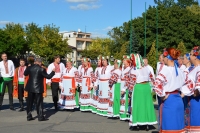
146	63
160	64
7	72
56	79
180	63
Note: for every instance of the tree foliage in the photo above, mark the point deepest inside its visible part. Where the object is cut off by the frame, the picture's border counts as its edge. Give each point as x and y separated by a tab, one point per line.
98	46
45	42
181	47
50	43
13	40
151	56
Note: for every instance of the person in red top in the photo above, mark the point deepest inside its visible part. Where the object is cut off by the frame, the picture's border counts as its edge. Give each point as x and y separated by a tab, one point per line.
18	83
56	79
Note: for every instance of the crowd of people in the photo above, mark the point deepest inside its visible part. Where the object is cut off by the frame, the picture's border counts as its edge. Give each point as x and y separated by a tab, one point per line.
122	90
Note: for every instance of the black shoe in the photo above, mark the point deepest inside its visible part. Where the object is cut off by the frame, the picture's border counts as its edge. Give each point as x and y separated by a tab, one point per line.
134	128
147	128
21	109
30	119
43	119
12	108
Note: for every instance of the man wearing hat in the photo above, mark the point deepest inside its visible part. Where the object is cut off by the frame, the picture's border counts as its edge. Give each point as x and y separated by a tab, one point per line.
35	88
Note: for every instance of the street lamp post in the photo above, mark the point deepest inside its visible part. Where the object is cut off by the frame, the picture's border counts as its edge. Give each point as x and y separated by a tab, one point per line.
157	33
145	32
130	45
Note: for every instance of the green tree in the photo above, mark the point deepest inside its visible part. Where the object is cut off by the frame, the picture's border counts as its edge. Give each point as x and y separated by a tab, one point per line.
194	9
122	52
185	3
151	56
16	44
50	43
32	31
182	48
98	46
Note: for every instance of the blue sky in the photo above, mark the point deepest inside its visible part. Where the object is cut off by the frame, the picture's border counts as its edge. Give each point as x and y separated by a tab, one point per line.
99	16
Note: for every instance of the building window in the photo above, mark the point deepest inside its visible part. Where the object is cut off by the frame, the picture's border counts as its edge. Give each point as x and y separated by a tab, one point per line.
79	36
69	36
79	45
87	36
72	54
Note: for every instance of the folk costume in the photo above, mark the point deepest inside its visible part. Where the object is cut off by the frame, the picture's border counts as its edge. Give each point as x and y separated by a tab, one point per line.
7	70
55	80
169	82
193	107
18	83
69	83
95	96
104	74
143	112
124	101
114	92
85	82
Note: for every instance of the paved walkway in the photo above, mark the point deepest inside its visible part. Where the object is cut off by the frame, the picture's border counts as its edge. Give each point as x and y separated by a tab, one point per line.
61	121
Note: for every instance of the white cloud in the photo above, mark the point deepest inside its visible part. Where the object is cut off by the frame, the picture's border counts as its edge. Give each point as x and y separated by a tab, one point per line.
81	1
108	28
4	22
84	7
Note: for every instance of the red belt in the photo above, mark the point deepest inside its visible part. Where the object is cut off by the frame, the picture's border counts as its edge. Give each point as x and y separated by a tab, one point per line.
144	82
173	92
103	79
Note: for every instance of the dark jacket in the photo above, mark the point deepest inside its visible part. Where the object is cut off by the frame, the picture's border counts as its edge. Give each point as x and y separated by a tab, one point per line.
36	75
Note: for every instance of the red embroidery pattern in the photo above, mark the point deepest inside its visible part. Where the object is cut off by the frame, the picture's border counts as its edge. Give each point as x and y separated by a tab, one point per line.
103	100
151	77
95	97
85	96
67	97
110	94
160	74
110	103
122	102
76	76
100	93
158	84
132	81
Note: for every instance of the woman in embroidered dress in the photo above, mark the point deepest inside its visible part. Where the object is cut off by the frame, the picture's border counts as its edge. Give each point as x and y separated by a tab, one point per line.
114	92
95	90
68	86
193	85
124	102
168	85
143	112
104	75
86	86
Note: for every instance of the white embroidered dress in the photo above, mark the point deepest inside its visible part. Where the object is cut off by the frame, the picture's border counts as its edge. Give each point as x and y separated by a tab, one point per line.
115	78
104	75
86	84
69	83
124	87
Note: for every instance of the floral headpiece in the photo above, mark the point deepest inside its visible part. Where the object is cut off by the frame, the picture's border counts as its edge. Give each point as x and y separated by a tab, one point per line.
196	53
137	61
119	62
86	59
69	60
126	57
168	56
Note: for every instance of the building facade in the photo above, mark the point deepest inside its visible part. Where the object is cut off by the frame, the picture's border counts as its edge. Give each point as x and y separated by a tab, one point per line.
78	41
